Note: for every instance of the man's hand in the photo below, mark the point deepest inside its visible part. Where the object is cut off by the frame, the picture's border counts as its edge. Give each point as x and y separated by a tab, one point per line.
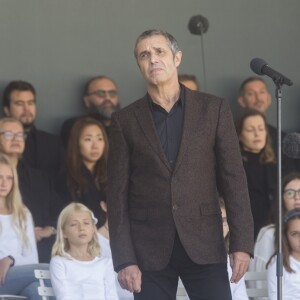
130	278
4	267
239	262
43	232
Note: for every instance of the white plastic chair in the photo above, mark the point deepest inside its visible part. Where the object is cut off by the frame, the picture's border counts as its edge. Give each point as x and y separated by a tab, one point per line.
256	284
43	291
12	297
181	292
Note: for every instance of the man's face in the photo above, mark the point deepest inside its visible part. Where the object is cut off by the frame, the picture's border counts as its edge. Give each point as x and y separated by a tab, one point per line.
102	97
156	60
255	96
22	107
12	140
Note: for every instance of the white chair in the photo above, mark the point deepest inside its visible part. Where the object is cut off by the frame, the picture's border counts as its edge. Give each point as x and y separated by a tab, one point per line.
256	284
43	291
181	292
12	297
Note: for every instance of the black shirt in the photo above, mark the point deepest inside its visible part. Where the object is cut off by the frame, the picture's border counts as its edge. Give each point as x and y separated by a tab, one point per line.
169	127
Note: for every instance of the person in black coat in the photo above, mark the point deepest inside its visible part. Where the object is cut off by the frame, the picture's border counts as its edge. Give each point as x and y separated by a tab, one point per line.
260	165
36	188
85	176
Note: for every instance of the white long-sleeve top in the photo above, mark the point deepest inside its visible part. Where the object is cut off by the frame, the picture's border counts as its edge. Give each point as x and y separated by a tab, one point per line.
106	252
11	243
82	280
264	248
290	281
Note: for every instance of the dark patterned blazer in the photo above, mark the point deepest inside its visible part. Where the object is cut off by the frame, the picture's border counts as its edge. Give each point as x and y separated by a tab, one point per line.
148	202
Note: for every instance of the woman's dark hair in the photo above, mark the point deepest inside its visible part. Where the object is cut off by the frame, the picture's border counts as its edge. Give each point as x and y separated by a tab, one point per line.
74	163
267	154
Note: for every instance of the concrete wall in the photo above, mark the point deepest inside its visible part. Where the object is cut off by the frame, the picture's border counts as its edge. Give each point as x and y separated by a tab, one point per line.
58	44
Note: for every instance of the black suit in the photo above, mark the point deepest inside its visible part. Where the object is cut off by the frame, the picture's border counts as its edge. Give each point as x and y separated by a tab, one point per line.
44	151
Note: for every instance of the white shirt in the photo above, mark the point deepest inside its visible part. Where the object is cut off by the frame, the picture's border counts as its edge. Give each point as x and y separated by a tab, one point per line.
263	249
290	281
106	252
82	280
11	243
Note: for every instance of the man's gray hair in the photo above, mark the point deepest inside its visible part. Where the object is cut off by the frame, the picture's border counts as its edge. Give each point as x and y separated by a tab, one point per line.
171	41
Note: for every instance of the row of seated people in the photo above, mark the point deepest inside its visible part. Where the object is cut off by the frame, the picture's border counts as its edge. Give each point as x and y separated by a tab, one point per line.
81	265
79	178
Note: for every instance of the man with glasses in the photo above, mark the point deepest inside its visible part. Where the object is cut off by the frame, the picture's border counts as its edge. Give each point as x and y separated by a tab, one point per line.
101	99
35	186
42	149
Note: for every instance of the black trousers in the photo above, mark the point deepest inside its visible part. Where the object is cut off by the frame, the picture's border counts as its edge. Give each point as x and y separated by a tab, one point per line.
202	282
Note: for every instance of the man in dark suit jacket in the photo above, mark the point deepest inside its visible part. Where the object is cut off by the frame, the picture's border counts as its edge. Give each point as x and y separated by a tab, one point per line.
43	150
170	154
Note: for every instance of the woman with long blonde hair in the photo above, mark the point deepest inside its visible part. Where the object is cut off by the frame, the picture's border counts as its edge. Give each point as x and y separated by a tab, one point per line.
18	251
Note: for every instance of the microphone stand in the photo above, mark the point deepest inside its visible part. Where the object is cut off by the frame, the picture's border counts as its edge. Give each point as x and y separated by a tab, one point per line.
279	264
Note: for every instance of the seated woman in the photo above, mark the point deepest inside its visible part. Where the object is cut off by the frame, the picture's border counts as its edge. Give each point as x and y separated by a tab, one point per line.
260	165
84	179
18	251
35	186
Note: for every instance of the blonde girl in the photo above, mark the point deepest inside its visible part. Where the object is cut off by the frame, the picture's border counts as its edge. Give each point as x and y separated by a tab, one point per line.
18	251
77	270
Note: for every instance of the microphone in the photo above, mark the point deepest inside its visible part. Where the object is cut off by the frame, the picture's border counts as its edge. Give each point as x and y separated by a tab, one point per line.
261	67
198	25
291	145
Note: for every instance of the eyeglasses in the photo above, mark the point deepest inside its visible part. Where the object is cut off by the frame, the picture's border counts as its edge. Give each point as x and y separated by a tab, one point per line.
103	93
290	193
9	135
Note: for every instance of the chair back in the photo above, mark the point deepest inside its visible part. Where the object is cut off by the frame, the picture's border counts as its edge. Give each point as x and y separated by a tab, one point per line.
43	290
256	284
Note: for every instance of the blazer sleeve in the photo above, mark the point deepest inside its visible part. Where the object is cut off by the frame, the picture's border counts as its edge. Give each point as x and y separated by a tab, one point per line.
123	253
232	183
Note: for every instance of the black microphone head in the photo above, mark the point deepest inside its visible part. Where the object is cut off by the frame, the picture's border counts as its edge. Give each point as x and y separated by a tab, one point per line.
257	64
198	25
291	145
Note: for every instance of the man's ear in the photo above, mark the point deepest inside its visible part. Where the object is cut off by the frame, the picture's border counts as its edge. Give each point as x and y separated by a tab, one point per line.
177	58
6	111
241	102
86	101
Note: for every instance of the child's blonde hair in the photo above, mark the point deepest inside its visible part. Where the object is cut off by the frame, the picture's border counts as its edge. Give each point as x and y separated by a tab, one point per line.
61	245
15	204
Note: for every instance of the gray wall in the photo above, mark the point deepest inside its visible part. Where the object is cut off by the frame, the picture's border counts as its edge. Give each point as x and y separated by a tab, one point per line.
58	44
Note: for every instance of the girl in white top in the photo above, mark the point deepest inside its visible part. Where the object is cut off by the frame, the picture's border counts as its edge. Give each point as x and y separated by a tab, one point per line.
291	259
265	242
77	270
103	235
18	251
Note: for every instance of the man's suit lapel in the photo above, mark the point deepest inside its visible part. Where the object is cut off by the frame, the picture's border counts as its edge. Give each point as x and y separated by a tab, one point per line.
145	120
190	124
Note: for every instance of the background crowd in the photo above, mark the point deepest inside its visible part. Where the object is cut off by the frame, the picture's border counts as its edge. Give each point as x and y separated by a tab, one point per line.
41	174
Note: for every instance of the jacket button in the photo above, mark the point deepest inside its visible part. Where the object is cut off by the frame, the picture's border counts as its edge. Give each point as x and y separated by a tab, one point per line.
175	206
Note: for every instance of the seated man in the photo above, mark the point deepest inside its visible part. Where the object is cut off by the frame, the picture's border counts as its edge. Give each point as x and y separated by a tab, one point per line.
35	187
190	81
43	150
101	100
